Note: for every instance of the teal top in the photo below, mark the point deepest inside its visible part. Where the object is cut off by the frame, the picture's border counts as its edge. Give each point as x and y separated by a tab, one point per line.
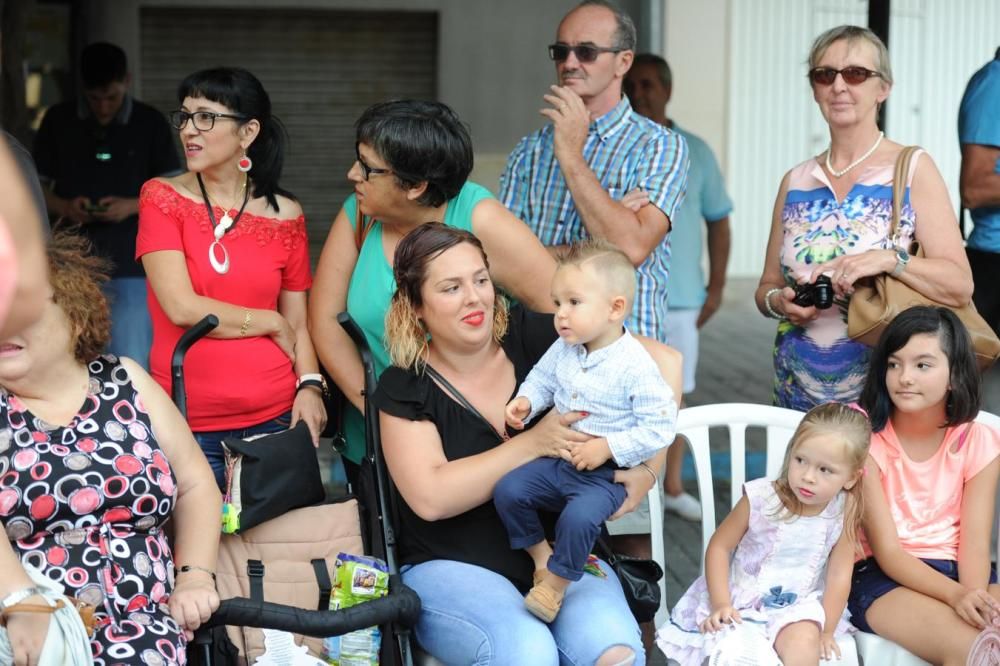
371	288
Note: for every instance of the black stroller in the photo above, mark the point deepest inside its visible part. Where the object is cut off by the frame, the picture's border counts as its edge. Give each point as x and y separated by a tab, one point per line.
394	613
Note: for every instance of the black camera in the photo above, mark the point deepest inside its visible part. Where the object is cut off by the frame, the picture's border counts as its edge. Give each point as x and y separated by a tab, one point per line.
819	294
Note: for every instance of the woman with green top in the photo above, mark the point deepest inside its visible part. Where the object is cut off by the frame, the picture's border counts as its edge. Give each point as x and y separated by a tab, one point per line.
413	161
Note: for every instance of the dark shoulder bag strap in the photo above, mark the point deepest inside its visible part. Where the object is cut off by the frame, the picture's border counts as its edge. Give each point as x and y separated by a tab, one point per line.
458	397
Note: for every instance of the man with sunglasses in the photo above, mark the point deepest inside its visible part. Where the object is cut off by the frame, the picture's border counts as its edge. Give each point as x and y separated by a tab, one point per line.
567	182
93	155
979	136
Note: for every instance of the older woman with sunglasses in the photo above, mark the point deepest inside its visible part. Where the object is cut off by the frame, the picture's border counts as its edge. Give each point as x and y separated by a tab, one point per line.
224	238
413	162
832	222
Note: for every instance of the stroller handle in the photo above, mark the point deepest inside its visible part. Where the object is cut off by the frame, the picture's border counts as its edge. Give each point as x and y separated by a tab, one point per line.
401	606
207	324
358	338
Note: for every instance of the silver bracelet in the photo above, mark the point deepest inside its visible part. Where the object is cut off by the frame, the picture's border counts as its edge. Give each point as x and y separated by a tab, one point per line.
651	472
771	312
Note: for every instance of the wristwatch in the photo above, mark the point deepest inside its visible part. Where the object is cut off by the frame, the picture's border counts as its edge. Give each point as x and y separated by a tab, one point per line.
312	379
902	258
17	597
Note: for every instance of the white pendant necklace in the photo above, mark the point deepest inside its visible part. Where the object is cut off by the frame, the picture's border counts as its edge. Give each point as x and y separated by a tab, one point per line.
225	223
868	153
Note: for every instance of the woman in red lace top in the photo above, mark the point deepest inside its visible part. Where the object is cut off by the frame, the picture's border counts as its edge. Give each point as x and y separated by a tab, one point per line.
224	238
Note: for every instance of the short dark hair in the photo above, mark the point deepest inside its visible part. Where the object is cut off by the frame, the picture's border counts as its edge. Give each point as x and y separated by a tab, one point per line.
625	33
662	68
101	64
243	93
421	142
965	396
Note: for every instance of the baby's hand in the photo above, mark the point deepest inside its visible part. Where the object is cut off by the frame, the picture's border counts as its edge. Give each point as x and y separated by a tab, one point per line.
517	410
591	454
828	648
720	618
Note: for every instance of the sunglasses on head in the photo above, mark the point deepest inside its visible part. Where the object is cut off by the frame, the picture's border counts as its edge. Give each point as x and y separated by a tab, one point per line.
583	53
853	76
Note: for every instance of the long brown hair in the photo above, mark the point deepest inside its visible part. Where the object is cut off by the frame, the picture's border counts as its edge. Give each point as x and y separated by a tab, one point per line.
853	427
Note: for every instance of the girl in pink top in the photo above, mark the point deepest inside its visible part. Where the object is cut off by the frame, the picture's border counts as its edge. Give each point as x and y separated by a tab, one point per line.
929	492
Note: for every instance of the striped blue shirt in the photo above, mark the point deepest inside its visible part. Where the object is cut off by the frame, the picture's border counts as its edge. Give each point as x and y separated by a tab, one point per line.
625	151
619	386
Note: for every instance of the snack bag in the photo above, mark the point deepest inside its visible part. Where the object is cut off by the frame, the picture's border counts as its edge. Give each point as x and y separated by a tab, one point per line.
356	579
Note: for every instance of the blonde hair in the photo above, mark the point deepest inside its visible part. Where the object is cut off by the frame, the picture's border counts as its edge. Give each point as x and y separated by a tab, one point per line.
609	263
852	425
406	338
405	335
853	34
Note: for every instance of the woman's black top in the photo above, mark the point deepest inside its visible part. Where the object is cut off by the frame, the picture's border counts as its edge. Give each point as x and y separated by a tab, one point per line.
476	536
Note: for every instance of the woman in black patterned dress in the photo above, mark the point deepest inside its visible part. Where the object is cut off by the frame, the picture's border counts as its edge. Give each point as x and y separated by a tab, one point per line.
94	459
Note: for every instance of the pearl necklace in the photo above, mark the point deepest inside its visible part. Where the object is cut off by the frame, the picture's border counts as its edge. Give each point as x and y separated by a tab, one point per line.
868	153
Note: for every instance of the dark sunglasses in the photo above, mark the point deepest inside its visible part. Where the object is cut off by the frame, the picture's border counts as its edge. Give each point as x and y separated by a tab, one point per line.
367	171
584	53
853	76
203	120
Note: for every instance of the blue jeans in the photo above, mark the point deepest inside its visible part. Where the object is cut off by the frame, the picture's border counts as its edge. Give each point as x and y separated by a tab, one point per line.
583	500
210	442
131	327
471	615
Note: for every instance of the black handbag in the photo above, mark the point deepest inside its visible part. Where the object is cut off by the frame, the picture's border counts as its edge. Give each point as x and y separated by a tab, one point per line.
638	578
268	475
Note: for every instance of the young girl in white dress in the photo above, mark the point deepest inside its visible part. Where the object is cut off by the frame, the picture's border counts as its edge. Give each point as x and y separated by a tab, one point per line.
794	541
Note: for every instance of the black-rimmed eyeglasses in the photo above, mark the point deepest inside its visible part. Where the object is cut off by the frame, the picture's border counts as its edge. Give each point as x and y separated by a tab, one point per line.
203	121
583	52
368	171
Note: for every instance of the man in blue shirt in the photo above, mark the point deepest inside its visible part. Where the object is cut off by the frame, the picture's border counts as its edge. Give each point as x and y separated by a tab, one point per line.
979	136
690	304
566	180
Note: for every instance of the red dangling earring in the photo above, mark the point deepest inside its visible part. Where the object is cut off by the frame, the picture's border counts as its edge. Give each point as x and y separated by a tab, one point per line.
244	164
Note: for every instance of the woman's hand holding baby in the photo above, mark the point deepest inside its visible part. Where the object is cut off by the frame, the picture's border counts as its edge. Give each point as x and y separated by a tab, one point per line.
553	436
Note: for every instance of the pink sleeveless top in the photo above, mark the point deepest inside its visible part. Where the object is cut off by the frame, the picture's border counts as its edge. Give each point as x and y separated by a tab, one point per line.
818	363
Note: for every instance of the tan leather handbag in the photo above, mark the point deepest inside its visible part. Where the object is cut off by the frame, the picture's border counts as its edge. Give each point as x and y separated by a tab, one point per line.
877	300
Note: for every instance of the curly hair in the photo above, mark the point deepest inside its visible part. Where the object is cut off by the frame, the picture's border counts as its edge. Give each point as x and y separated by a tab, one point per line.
76	276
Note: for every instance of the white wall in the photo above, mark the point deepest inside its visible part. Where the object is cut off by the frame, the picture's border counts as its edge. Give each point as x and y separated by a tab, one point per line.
696	40
773	123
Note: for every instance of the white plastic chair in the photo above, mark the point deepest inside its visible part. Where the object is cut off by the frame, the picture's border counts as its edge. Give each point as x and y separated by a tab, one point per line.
779	424
878	651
